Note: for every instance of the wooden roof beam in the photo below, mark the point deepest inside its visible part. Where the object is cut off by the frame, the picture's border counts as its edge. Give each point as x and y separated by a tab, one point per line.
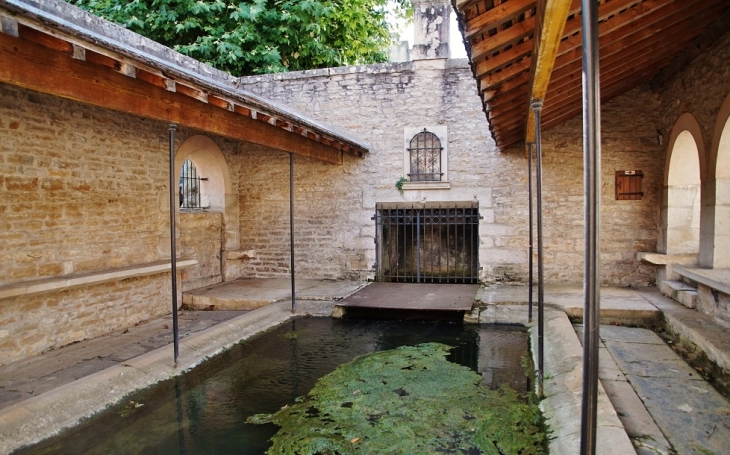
616	73
26	63
553	15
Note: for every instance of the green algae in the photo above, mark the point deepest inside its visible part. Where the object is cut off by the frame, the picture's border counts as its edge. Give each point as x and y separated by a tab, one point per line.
409	400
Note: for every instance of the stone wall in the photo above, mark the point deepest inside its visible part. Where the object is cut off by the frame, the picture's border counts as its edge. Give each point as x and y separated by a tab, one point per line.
200	239
334	204
82	190
700	89
33	324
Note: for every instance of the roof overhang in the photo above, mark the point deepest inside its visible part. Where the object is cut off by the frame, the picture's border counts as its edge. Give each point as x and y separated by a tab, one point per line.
56	48
524	50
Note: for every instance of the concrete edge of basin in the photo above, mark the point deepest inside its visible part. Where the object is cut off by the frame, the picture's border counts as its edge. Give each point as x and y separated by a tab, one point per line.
562	388
47	414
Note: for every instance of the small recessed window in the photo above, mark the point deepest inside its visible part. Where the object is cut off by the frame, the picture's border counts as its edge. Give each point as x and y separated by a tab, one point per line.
425	157
190	187
628	185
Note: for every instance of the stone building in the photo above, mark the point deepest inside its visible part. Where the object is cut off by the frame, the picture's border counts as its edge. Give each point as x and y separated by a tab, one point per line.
84	114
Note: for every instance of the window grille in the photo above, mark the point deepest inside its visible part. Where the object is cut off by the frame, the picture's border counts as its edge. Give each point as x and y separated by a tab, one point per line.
190	187
435	242
425	153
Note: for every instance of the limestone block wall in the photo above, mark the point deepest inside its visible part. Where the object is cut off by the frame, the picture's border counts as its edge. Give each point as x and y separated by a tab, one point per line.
84	189
700	89
629	142
200	239
33	324
334	204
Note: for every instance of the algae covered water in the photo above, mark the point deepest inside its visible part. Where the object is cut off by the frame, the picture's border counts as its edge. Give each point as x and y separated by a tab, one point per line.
205	411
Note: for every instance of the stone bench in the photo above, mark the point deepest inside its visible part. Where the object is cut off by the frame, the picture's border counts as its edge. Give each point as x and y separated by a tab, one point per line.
717	279
63	283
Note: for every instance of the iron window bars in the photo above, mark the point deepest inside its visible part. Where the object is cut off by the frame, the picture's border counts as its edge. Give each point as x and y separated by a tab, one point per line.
427	242
189	191
425	156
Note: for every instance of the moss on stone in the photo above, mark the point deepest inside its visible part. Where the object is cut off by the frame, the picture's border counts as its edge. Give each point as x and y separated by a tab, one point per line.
409	400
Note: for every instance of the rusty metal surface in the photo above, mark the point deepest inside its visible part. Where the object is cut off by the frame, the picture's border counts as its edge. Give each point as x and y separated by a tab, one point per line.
414	296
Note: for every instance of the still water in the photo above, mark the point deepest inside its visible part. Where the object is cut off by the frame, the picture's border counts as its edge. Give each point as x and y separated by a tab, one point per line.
204	411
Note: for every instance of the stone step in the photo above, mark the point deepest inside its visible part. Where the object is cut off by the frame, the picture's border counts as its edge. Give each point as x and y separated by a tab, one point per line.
680	291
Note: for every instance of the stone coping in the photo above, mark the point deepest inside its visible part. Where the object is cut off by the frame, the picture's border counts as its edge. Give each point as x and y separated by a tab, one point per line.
63	283
718	279
562	385
375	68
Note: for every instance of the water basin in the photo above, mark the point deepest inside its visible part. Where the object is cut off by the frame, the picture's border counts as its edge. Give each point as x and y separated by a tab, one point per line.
204	411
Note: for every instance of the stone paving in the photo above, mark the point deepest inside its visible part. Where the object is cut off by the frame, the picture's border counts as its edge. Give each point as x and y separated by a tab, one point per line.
693	416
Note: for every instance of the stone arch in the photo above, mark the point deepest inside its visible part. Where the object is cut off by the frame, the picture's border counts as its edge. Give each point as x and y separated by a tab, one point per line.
208	159
683	173
218	189
718	189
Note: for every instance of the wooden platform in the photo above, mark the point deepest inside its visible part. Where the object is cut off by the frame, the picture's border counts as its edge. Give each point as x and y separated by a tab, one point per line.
413	296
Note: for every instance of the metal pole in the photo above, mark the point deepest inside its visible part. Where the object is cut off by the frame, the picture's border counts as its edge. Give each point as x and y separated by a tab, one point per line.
529	195
537	107
291	228
592	185
173	255
418	246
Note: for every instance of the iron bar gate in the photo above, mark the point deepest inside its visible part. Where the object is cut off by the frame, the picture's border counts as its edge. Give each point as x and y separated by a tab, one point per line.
427	242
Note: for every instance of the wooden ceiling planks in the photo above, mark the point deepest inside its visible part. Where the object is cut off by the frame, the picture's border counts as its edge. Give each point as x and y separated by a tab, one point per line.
637	38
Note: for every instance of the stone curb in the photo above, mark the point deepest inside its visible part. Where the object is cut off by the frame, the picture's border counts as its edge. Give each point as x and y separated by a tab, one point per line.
48	414
562	389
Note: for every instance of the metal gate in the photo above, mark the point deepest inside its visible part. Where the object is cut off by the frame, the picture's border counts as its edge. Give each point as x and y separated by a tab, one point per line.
427	242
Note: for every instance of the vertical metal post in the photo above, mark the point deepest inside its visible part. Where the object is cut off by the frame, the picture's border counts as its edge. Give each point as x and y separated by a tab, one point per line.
592	184
529	261
537	107
418	246
291	228
173	254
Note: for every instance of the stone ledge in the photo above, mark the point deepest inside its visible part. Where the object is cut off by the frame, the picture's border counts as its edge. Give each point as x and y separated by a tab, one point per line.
426	186
233	255
718	279
63	283
666	259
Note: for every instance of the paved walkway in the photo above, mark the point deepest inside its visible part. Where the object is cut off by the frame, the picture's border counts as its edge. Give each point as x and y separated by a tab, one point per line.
33	376
693	416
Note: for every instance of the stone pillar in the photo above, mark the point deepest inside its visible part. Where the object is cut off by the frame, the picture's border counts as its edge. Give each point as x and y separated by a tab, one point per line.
430	29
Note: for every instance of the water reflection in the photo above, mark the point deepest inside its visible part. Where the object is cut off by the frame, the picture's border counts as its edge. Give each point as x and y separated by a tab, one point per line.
205	410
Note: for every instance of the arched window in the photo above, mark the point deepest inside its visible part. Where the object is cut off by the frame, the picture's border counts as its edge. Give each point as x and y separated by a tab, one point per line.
190	186
425	157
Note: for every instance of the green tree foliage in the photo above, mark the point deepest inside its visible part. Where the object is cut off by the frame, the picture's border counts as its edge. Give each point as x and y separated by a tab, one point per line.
260	36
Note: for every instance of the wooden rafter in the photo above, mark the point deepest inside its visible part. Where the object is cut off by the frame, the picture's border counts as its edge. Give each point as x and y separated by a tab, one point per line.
637	38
